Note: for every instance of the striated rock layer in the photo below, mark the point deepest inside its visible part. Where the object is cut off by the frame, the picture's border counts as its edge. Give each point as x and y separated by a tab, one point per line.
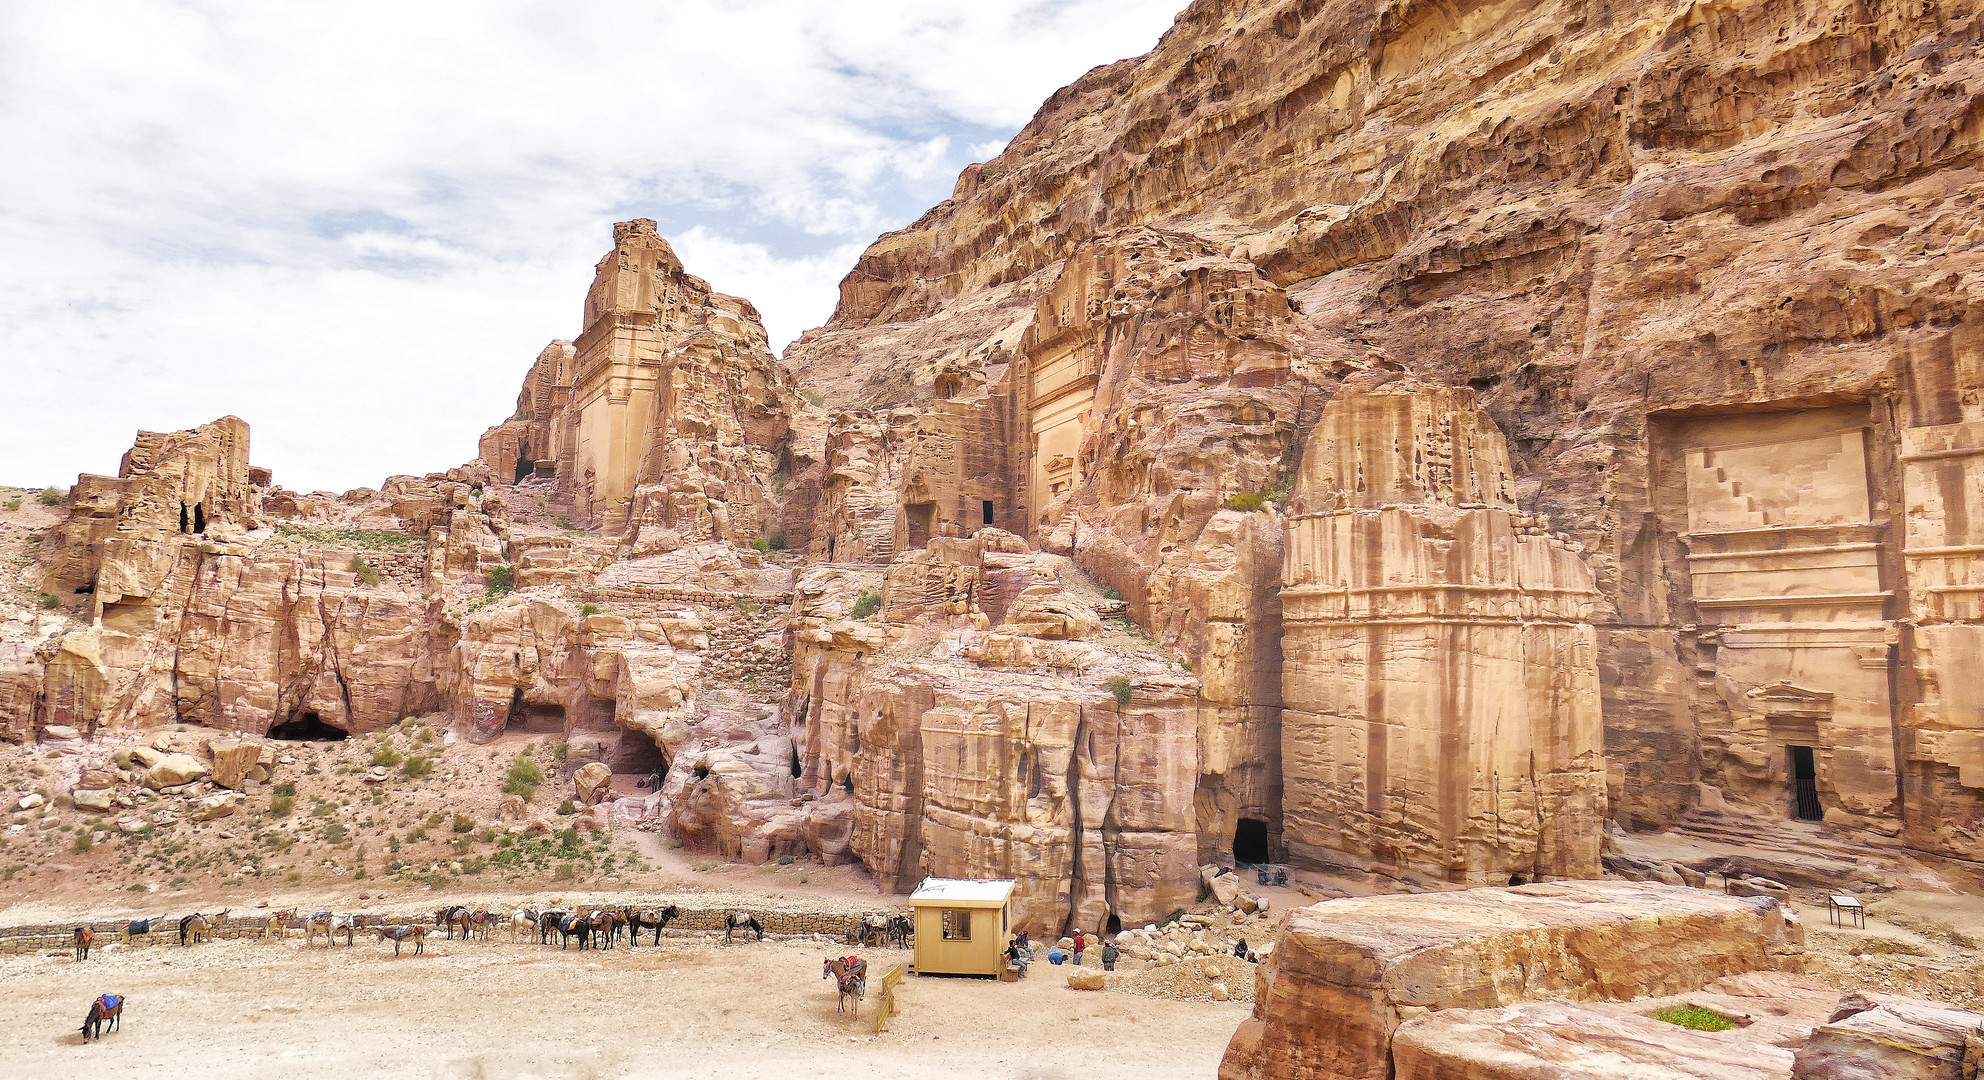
1711	268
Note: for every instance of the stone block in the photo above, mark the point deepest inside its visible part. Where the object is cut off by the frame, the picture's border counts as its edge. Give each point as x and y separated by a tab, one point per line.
233	758
1344	972
174	770
1896	1039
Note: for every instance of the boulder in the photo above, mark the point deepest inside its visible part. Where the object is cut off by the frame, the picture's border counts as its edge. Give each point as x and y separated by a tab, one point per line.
1220	992
1897	1039
174	770
144	757
131	824
1344	972
30	801
1085	979
233	758
1226	889
593	782
98	800
61	731
1565	1040
96	778
218	805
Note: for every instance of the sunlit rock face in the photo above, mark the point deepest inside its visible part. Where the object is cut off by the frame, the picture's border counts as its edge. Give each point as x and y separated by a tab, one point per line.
1712	272
667	414
1440	667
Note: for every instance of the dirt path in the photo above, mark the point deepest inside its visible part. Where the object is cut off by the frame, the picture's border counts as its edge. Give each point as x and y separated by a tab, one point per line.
690	1008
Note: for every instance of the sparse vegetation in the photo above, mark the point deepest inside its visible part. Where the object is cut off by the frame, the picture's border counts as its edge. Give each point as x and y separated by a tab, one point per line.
14	503
369	539
1120	687
588	610
417	767
866	605
523	777
281	806
366	572
1111	593
52	496
817	399
1248	501
50	601
501	580
568	808
463	823
387	756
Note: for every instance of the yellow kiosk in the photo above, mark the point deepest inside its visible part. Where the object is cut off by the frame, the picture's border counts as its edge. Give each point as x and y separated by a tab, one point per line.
962	926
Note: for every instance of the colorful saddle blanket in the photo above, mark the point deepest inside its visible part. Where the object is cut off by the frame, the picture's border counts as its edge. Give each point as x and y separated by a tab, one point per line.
110	1001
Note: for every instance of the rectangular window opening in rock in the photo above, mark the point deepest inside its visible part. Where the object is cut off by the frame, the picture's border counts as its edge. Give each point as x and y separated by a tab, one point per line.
920	519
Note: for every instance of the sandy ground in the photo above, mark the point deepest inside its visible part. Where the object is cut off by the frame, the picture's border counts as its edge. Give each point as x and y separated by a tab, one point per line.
690	1008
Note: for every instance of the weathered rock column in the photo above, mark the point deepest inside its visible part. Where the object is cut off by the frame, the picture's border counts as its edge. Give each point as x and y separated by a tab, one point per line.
1441	714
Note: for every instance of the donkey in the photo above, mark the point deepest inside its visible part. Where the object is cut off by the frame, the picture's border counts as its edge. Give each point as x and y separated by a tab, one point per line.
139	926
524	921
404	932
108	1009
740	922
850	974
279	923
901	927
873	931
549	923
606	925
478	924
450	917
639	919
329	925
85	937
574	926
200	927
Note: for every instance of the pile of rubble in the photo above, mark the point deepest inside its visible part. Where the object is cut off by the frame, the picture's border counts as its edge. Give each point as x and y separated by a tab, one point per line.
175	774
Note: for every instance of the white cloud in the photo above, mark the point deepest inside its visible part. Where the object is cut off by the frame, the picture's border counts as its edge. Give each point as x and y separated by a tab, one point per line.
354	225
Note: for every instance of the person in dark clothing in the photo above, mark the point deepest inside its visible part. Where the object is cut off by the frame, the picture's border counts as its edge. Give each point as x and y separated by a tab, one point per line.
1109	955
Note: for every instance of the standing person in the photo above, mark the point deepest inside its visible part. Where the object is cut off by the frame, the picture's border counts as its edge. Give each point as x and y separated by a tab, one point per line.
1081	944
1109	955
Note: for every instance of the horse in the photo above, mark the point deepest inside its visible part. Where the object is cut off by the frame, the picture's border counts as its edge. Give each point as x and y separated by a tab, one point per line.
901	927
450	917
400	933
606	927
279	923
549	923
329	925
740	921
85	937
200	927
850	974
639	919
107	1009
574	926
524	919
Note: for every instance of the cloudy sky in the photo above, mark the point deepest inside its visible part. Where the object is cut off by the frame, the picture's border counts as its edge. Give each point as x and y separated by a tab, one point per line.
355	224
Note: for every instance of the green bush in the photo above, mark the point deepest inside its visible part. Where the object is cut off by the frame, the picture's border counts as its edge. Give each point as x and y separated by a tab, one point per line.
463	823
50	601
1248	501
365	571
568	808
1121	687
814	397
387	756
52	496
866	605
500	582
523	777
417	767
776	541
588	610
1695	1018
280	806
83	841
1111	594
335	833
14	503
287	787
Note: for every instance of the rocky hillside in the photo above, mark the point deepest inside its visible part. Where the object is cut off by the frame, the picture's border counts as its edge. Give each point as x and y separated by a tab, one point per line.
1393	437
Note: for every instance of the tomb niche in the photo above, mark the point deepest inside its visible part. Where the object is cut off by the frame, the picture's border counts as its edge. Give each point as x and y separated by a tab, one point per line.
1441	707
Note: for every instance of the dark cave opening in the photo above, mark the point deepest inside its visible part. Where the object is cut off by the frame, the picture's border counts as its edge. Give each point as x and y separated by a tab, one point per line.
308	727
1250	841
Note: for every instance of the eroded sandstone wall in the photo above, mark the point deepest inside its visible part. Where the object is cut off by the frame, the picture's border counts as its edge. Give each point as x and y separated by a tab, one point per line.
1440	674
1686	256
